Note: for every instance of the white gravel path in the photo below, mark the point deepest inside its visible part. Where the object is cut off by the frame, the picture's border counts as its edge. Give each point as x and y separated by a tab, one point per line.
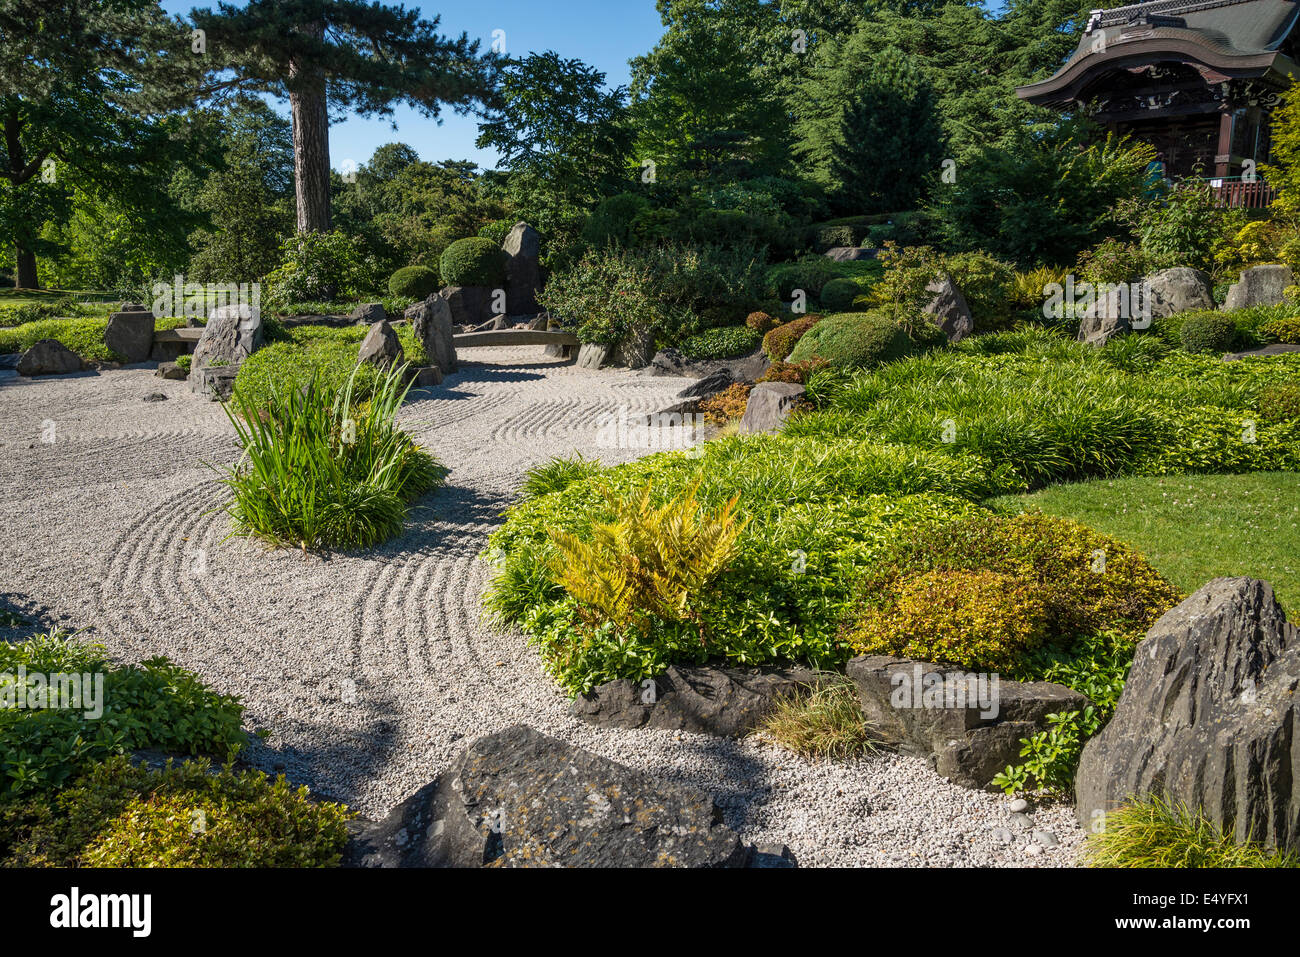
373	670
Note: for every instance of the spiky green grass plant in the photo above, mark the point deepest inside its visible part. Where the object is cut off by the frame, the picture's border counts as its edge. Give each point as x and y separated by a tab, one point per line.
322	471
823	722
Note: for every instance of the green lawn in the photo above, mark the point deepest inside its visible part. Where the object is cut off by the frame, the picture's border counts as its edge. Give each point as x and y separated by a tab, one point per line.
1195	527
18	297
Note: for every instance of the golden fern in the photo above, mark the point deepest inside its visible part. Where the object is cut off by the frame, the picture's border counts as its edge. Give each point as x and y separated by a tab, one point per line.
646	560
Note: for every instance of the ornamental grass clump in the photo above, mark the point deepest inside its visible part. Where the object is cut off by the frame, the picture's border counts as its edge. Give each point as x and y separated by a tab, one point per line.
320	470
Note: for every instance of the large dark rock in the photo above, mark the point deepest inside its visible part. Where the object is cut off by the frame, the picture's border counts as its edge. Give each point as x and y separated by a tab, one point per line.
1107	317
727	702
1208	718
966	740
49	357
130	334
711	384
523	249
1180	289
748	369
849	254
233	333
470	305
1259	286
368	313
949	310
769	405
519	798
381	347
432	325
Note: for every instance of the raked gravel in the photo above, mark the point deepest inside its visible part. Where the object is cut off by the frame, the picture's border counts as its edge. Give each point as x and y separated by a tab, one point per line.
373	670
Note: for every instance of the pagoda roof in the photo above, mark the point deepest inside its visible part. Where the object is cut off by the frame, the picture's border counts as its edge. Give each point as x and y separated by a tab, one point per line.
1224	39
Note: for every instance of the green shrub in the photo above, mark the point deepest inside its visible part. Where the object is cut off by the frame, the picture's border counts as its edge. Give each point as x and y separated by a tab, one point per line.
151	705
727	342
809	274
778	343
473	262
184	362
853	341
1154	832
1280	402
557	474
184	815
1112	261
83	336
414	282
1283	330
497	230
320	267
318	471
838	295
1207	332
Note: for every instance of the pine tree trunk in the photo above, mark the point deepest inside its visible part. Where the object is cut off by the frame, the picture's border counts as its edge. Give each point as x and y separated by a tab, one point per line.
25	273
311	146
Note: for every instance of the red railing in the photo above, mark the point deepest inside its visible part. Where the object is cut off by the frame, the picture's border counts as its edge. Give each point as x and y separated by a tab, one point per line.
1232	192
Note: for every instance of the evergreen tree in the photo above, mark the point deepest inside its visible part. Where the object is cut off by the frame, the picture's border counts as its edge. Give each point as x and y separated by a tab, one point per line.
340	55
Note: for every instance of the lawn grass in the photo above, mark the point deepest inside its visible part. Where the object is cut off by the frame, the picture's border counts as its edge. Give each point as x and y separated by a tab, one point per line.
1193	528
18	297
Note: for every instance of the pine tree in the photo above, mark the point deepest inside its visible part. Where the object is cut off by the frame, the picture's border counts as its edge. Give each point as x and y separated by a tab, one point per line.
333	56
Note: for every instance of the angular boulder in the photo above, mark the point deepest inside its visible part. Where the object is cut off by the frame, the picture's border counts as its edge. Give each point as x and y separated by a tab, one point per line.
968	731
747	369
233	333
769	405
381	347
635	350
470	305
592	355
1176	290
519	798
1259	286
849	254
948	309
523	249
170	370
726	702
1209	718
130	334
49	357
432	325
712	383
368	313
1106	318
495	324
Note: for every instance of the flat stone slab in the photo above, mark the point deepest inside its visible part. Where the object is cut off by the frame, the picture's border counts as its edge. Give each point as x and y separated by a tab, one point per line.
182	334
520	798
1272	349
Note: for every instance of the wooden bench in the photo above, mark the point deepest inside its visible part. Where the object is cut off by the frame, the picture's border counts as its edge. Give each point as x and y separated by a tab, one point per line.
514	337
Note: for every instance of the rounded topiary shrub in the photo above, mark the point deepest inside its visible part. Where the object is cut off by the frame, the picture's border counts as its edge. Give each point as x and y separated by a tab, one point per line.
413	282
1207	332
838	295
854	341
761	322
779	342
473	262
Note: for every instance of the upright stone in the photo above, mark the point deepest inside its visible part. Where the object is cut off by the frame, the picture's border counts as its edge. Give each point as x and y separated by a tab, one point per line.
368	313
1180	289
130	334
523	270
381	347
1106	318
769	405
233	333
949	309
1259	286
49	357
470	305
432	324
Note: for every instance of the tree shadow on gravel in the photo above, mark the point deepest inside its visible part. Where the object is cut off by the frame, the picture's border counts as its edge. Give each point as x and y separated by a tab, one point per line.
744	777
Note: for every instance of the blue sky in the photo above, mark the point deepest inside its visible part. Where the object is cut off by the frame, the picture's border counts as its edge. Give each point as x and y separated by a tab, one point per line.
603	33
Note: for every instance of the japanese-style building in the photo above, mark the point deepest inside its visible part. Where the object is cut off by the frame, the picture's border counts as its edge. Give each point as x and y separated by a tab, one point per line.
1196	80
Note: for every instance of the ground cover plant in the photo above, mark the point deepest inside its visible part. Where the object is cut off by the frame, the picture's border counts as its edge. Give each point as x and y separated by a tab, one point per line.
321	469
83	335
822	721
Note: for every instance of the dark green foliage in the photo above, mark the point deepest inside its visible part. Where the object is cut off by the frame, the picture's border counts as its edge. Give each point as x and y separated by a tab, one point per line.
726	342
853	341
809	274
838	295
1207	332
557	474
473	262
779	342
413	282
1280	401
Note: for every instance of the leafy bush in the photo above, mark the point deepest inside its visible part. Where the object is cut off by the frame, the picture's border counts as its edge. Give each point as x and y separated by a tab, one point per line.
822	722
557	474
721	407
1207	332
473	262
838	295
986	283
977	619
646	563
1154	832
320	472
151	705
853	341
778	343
724	343
1283	330
184	362
809	274
1183	227
497	230
1279	402
121	815
796	372
320	267
414	282
761	322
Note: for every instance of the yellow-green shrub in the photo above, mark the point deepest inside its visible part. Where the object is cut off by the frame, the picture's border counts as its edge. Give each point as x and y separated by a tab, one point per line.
1283	330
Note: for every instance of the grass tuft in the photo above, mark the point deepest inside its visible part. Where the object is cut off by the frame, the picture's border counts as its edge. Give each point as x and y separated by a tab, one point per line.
825	722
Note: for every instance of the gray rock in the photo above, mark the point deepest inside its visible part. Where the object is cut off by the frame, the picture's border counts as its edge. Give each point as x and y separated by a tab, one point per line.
635	350
540	322
712	383
1022	821
49	357
470	305
425	377
130	334
519	798
964	741
381	346
523	249
1045	838
1272	349
495	324
592	355
769	405
726	702
1002	835
233	333
748	369
1180	289
1106	318
1208	717
368	313
170	370
1259	286
1018	806
216	382
849	254
132	307
949	309
432	325
155	397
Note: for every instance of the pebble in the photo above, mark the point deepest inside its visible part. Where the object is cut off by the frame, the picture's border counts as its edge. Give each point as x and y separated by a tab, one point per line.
1018	806
1022	821
1046	838
1002	835
1033	850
